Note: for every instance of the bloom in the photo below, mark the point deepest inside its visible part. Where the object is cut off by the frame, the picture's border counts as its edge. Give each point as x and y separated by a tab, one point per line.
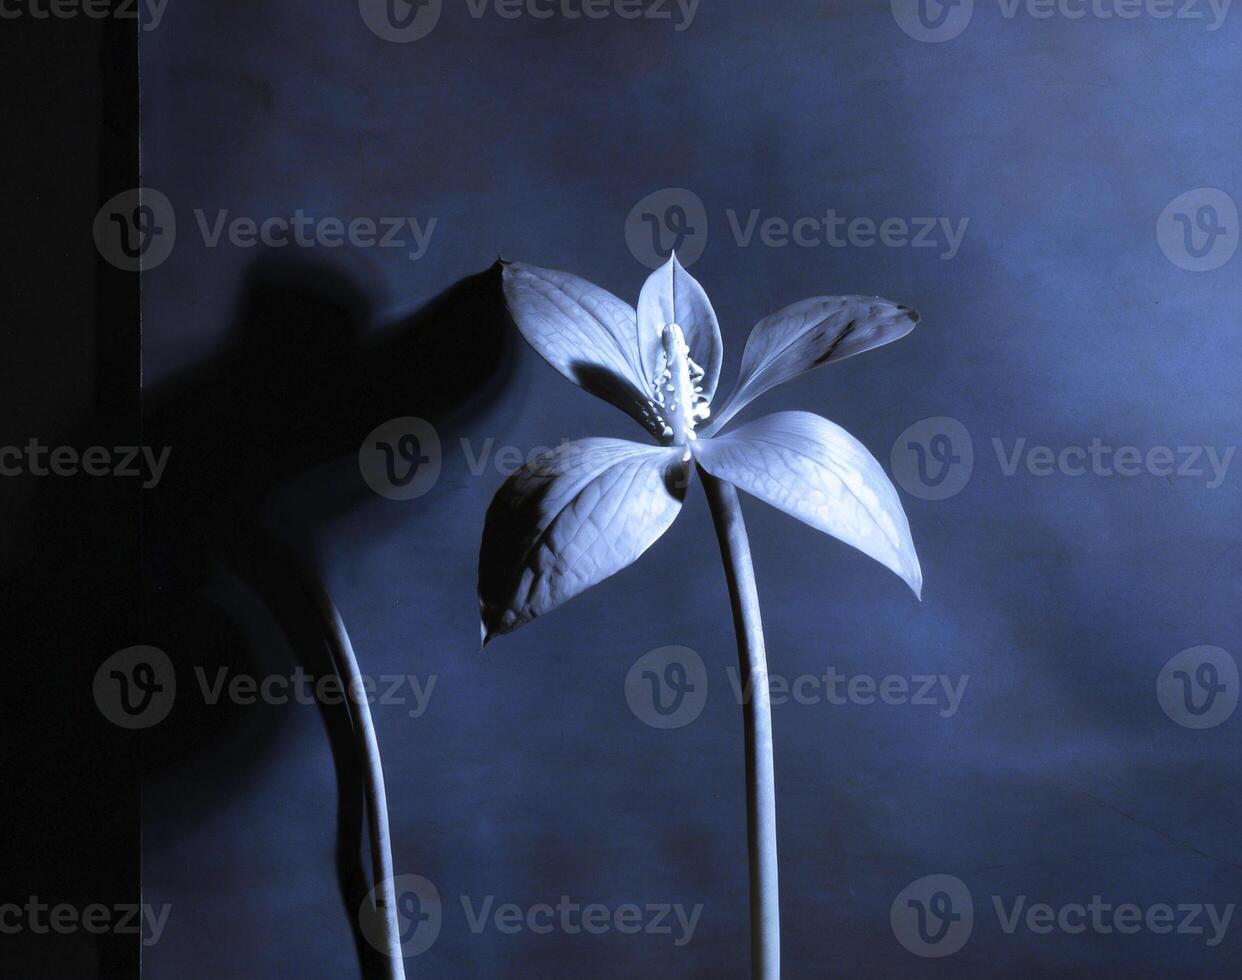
584	511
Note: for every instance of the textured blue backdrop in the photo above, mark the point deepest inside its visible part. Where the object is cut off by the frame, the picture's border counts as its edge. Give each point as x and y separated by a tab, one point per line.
1056	600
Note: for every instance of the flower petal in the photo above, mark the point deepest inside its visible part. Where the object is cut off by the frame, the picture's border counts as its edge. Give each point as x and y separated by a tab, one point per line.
807	334
584	332
569	519
672	295
819	473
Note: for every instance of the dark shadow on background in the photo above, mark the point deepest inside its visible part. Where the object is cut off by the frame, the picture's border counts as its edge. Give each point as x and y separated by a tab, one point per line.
300	384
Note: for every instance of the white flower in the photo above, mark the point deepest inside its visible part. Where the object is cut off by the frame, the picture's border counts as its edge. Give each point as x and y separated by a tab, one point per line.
584	511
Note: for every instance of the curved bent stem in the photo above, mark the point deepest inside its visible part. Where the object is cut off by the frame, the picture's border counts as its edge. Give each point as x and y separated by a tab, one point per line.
765	913
373	774
246	540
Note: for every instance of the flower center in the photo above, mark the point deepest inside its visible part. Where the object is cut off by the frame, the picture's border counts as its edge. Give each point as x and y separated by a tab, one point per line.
677	389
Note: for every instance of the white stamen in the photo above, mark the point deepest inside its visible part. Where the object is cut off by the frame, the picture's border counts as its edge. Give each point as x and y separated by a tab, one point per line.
677	383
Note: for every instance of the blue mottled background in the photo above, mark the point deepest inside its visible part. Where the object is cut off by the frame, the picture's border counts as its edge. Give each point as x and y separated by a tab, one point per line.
1060	598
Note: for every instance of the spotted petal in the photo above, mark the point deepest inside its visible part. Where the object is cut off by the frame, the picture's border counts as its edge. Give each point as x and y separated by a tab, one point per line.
672	295
569	519
585	332
819	473
807	334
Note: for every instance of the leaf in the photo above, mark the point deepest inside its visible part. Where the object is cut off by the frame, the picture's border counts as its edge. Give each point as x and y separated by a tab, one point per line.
819	473
569	519
672	295
584	332
807	334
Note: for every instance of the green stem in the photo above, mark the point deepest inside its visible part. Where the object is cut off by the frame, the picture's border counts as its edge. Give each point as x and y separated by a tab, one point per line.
765	913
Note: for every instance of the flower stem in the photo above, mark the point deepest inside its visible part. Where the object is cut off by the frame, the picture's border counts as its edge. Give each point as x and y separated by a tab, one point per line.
373	777
765	913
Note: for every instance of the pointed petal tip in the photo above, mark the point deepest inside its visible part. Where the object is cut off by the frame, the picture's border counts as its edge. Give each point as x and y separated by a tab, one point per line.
489	633
914	579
